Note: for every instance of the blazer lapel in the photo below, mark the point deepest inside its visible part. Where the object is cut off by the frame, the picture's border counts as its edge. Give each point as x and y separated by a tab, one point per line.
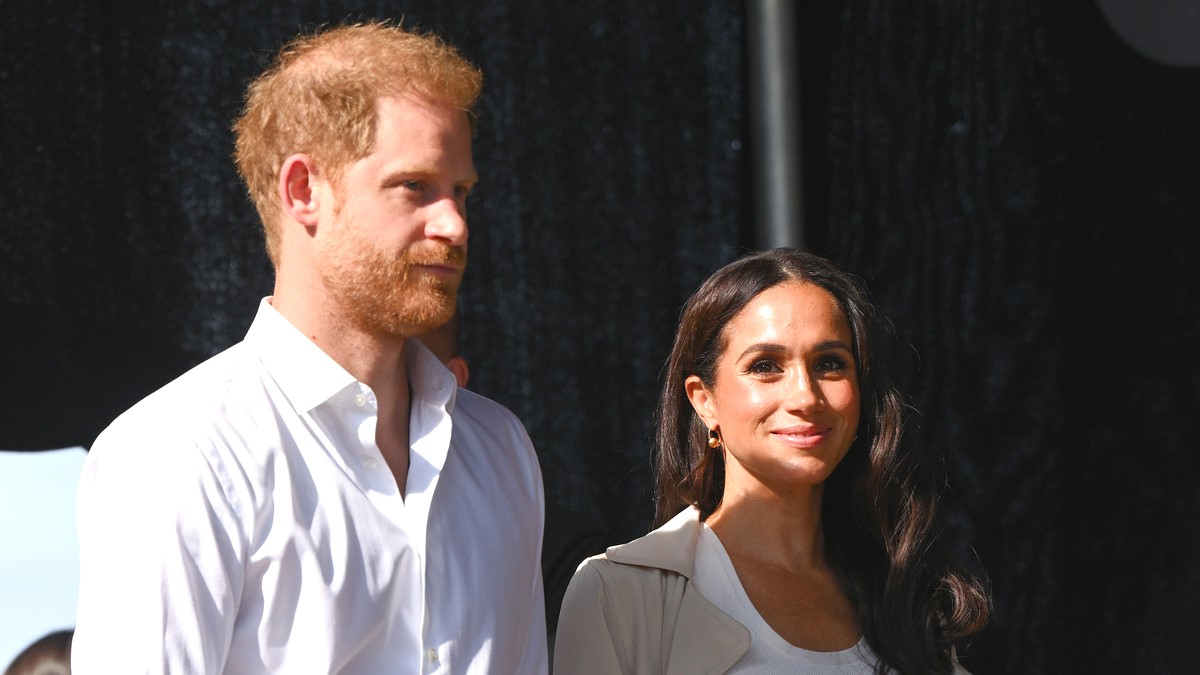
706	639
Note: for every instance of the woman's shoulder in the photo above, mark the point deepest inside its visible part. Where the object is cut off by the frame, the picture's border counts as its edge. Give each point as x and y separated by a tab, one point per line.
645	616
620	578
611	613
671	547
629	579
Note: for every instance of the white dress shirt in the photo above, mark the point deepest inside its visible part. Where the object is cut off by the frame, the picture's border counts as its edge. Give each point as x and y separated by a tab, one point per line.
242	520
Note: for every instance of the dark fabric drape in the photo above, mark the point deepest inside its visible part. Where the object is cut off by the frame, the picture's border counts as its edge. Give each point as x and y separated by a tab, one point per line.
1016	185
944	169
609	146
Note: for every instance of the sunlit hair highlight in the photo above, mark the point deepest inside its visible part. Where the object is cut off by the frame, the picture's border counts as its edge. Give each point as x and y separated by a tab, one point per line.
320	94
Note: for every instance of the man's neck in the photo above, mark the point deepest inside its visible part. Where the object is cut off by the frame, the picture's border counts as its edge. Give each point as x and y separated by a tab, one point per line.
377	361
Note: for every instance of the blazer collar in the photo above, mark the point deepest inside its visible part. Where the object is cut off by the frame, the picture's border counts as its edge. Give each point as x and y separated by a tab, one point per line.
705	639
670	547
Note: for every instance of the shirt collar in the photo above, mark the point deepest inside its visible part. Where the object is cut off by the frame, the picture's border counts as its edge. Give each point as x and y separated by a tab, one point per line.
305	373
431	381
309	377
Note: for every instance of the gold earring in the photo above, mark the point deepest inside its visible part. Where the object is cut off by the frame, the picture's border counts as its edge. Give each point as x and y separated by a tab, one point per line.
714	439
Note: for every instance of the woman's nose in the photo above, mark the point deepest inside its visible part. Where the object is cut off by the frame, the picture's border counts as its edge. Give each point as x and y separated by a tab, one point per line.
804	394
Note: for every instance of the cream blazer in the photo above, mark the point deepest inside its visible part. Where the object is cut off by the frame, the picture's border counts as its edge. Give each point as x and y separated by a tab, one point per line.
633	609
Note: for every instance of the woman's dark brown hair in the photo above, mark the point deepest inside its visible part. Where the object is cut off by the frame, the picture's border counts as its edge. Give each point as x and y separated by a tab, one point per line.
879	507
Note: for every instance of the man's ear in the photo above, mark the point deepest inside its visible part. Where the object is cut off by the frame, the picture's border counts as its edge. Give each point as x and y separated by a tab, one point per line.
299	189
701	400
458	366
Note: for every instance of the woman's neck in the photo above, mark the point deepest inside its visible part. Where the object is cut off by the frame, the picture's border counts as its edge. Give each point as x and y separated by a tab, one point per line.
783	531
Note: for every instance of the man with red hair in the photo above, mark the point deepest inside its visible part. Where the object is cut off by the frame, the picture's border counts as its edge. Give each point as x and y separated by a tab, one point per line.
322	497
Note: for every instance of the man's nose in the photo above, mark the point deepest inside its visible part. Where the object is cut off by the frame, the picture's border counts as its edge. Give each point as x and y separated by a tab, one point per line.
447	221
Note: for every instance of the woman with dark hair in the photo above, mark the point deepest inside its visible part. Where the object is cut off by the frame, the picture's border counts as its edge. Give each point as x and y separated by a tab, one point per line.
798	528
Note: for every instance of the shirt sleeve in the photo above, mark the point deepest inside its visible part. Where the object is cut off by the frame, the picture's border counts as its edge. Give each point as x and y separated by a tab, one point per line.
161	559
536	656
589	639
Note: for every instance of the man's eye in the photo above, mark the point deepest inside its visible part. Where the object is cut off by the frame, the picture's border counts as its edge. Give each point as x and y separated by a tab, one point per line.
414	185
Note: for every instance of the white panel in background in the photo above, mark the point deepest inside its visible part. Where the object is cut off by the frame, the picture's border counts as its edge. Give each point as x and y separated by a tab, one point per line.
39	553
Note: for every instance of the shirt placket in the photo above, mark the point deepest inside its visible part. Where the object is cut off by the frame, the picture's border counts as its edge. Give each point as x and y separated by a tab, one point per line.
374	473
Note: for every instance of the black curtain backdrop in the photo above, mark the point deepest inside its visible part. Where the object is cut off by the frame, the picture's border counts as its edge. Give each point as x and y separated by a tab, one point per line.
1016	184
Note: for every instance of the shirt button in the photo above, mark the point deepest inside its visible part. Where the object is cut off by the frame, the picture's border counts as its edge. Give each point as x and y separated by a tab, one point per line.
372	464
432	654
360	400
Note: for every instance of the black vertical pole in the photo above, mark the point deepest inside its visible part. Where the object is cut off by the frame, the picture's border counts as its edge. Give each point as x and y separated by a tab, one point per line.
775	123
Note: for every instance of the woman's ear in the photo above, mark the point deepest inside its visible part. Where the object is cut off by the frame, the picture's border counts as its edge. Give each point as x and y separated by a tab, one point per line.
299	189
701	400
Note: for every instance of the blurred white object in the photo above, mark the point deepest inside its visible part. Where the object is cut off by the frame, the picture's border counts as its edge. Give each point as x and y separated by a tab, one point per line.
39	554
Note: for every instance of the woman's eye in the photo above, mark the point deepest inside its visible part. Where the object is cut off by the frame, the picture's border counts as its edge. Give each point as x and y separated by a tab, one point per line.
763	366
831	363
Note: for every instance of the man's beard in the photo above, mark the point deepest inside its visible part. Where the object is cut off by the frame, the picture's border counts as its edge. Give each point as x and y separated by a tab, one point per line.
385	293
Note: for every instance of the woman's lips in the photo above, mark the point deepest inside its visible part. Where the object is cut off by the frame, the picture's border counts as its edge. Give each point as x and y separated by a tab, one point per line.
806	435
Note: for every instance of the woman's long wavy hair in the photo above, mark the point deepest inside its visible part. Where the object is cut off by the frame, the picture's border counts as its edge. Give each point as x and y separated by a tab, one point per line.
879	508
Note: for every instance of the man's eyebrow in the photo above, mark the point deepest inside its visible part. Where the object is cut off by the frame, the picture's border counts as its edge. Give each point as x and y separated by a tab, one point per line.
417	171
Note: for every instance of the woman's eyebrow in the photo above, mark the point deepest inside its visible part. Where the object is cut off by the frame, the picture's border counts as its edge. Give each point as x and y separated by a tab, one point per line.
769	347
775	348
